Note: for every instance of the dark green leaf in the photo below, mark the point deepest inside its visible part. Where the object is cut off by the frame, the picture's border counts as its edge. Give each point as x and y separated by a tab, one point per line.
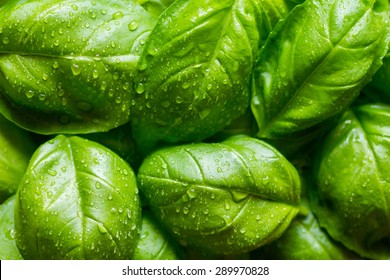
16	148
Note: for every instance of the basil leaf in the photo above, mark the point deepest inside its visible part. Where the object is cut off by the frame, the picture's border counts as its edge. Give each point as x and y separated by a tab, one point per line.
155	243
315	63
16	148
379	88
352	192
194	72
77	200
155	7
9	250
225	198
67	67
304	240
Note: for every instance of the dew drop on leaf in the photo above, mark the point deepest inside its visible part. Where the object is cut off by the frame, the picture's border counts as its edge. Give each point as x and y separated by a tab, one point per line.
95	74
101	228
30	94
133	25
117	15
52	172
6	40
140	88
75	69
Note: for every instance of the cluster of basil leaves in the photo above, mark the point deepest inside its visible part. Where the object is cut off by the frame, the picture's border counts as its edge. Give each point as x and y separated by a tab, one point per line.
193	129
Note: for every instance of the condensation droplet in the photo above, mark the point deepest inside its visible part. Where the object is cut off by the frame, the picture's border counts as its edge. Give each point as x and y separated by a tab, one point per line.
133	25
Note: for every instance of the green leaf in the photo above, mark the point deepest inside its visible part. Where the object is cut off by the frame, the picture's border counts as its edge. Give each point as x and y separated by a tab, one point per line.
315	63
16	148
351	197
224	198
77	200
67	67
304	240
155	242
155	7
379	87
194	72
9	250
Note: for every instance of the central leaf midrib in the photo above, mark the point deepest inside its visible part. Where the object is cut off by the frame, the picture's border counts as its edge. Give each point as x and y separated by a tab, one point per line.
212	187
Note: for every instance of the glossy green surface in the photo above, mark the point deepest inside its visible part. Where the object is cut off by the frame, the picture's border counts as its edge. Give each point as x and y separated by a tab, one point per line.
315	62
77	200
352	194
68	67
16	148
9	250
155	242
225	198
194	72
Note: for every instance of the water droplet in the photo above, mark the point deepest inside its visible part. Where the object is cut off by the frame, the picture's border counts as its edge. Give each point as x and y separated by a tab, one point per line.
103	86
238	196
191	193
117	15
185	85
74	7
219	169
98	185
42	96
133	25
265	180
101	228
227	204
179	99
129	213
118	99
113	44
30	94
75	69
110	197
140	88
95	74
6	40
45	76
52	172
166	104
204	113
55	65
186	210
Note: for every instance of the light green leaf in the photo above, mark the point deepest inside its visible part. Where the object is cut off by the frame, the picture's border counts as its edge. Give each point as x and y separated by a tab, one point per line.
351	197
315	63
225	198
68	66
77	200
194	72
